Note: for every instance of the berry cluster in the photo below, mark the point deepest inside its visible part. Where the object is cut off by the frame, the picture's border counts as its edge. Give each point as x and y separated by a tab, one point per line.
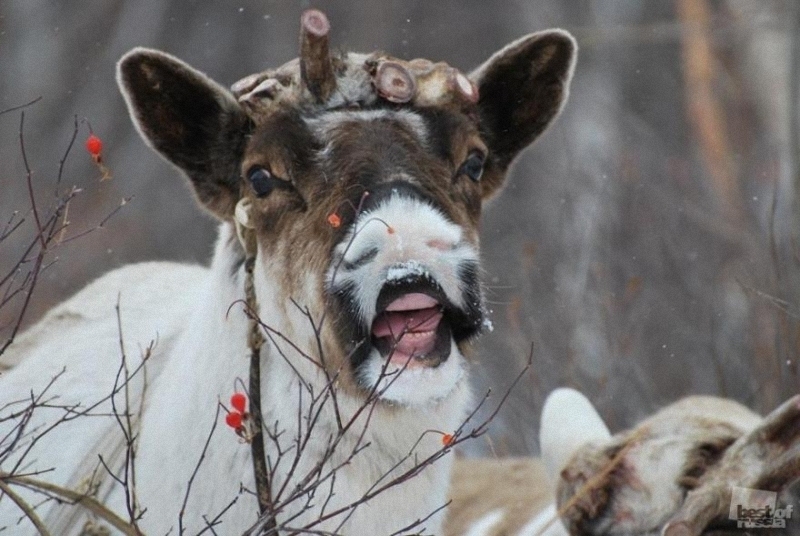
237	417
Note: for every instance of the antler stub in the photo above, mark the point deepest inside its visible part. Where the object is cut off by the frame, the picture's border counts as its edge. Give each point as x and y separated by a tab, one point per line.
394	82
316	69
318	78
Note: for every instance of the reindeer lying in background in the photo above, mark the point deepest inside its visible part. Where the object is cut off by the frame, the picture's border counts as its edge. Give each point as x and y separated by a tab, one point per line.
672	474
349	189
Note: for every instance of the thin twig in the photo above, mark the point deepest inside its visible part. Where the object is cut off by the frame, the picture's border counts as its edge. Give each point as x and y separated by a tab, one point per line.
28	179
195	471
21	106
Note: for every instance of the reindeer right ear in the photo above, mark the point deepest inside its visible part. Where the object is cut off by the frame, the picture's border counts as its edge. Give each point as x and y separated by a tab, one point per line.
568	422
192	121
522	88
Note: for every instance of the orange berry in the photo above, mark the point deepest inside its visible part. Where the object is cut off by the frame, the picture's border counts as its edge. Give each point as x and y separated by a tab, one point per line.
239	402
334	220
94	145
447	439
233	419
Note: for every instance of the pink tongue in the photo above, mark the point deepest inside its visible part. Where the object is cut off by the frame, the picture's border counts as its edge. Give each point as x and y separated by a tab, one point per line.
409	302
413	320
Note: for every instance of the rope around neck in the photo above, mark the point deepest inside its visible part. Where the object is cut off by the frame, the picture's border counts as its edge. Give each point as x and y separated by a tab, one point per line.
255	340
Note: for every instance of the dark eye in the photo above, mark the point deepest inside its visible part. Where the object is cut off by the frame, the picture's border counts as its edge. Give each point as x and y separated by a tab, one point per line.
473	165
261	180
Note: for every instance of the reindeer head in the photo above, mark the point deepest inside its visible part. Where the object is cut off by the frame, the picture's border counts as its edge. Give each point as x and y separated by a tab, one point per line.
362	178
633	482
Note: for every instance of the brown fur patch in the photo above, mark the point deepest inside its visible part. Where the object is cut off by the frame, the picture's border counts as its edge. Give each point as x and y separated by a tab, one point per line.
704	456
518	486
590	464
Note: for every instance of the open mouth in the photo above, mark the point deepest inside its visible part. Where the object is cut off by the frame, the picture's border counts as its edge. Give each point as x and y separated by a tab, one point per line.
415	324
412	330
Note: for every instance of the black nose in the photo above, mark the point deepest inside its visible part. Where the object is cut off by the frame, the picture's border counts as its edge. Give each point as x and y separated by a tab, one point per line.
397	188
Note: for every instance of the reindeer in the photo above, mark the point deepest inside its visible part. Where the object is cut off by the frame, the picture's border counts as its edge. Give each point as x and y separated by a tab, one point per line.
343	296
672	474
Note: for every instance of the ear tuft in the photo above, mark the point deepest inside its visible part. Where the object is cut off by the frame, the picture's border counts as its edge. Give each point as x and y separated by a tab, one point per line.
192	121
522	89
568	422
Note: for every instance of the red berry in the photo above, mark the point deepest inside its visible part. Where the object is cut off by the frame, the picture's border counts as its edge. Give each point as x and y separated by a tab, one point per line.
94	145
334	220
239	402
447	440
233	419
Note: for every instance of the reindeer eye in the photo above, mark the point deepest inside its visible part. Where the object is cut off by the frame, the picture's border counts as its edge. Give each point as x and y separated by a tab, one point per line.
261	180
473	165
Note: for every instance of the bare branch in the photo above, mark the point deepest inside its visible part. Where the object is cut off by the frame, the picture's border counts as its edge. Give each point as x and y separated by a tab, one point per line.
194	475
21	106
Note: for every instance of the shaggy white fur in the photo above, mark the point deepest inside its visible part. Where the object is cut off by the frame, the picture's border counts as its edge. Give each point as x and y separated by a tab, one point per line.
200	350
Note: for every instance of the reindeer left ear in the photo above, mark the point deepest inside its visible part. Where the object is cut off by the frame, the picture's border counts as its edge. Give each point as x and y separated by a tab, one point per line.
569	421
190	120
522	88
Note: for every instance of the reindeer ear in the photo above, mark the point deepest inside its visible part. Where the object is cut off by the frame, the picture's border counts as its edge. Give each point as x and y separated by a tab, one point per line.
190	120
522	88
568	422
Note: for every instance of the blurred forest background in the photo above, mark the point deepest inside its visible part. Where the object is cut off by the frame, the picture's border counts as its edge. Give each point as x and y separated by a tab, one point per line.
646	246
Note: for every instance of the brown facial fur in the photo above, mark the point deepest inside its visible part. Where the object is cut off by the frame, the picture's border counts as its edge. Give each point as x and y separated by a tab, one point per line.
324	171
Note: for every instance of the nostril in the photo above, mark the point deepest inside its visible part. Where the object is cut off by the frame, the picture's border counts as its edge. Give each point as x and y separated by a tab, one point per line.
361	260
441	245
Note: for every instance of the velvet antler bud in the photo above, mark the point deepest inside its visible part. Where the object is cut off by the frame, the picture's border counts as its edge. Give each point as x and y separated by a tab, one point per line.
316	69
394	82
